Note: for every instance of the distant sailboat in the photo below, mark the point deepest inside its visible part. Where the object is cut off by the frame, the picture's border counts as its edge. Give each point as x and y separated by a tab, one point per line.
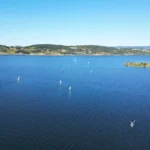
70	89
75	60
60	82
91	71
18	79
132	124
88	62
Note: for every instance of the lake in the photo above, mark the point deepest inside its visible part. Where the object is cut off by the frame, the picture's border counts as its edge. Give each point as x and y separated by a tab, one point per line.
38	113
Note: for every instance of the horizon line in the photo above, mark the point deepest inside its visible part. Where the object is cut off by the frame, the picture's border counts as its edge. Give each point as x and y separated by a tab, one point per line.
77	45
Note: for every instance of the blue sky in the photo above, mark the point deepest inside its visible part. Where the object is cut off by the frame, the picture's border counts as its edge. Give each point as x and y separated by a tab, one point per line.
97	22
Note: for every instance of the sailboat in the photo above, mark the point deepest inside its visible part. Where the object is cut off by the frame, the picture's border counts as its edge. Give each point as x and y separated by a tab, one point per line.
132	124
60	82
69	88
18	79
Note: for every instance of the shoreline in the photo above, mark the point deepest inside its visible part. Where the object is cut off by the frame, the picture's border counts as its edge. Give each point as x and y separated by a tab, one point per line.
72	54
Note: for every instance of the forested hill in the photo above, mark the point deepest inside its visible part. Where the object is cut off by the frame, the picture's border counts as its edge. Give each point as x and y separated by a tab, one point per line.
51	49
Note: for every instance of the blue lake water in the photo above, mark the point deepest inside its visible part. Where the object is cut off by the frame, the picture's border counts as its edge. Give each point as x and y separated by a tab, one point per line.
37	113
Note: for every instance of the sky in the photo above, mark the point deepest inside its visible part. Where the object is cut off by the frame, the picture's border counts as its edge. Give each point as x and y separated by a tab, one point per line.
75	22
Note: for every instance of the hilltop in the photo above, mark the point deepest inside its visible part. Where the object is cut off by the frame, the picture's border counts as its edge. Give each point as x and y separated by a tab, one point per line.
51	49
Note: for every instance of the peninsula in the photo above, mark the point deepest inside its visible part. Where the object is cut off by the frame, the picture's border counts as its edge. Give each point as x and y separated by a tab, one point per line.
51	49
137	64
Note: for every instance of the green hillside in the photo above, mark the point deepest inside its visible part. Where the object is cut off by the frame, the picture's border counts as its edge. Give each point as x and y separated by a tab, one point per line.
51	49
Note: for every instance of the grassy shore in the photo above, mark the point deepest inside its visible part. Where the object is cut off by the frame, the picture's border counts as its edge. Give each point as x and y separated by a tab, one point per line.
137	64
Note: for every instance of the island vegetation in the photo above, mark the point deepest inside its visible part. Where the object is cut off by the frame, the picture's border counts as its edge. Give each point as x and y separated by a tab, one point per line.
137	64
51	49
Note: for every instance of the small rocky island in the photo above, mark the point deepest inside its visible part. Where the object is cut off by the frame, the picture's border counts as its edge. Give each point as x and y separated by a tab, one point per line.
137	64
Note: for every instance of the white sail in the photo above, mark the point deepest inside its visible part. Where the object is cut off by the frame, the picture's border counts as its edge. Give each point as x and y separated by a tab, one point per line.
18	79
60	82
132	124
70	88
